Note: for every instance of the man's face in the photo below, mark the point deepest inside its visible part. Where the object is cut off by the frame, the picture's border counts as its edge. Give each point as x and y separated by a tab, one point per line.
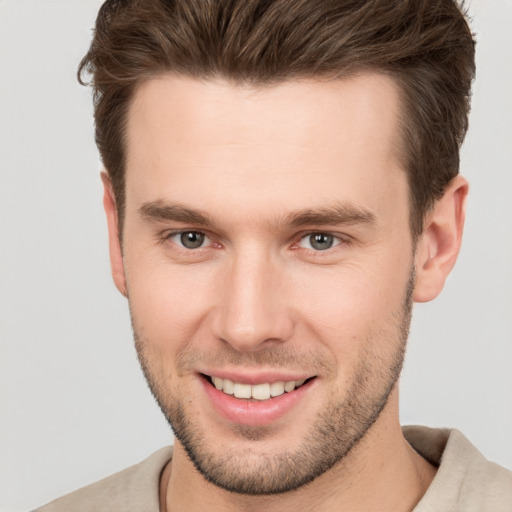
266	241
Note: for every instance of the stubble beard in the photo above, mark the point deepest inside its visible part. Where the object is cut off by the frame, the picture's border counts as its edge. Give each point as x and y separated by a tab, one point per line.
336	431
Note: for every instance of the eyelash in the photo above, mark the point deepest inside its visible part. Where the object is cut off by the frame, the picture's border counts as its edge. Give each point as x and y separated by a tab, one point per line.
337	240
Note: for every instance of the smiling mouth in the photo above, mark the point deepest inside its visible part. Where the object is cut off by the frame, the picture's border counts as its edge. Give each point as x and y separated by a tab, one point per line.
264	391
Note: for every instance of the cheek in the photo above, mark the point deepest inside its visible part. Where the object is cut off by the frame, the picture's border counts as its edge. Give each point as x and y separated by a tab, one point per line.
349	307
168	303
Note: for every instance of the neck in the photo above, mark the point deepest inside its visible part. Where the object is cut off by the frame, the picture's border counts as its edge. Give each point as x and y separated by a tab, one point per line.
382	472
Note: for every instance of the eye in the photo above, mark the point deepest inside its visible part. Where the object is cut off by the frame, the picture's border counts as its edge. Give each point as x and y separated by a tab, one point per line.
319	241
189	239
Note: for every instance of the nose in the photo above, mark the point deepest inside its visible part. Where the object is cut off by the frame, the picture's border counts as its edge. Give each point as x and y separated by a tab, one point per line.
253	312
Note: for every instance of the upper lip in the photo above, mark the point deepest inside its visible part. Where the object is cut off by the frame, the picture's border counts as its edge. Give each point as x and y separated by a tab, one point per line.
246	377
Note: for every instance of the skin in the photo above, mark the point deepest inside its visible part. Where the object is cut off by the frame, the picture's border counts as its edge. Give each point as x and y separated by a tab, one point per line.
258	297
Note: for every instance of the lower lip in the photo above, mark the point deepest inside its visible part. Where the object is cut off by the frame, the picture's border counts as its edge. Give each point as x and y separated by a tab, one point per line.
254	412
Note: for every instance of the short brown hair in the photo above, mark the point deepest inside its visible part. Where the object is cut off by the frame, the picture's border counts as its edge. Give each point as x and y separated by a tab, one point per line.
425	45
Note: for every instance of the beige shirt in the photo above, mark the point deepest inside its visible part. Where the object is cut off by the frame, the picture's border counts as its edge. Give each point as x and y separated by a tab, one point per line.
465	480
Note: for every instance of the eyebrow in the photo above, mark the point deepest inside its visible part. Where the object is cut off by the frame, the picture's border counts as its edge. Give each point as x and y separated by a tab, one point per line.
160	211
334	215
337	214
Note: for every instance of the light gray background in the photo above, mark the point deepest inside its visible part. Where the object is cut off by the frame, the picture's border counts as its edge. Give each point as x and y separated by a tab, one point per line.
74	406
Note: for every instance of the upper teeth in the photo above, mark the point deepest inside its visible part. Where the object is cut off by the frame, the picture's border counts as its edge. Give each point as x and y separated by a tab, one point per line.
257	391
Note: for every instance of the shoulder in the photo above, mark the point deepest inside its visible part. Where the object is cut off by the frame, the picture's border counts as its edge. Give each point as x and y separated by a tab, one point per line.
484	485
133	489
466	480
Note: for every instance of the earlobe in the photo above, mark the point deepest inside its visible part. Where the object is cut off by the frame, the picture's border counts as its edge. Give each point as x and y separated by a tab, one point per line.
114	241
439	244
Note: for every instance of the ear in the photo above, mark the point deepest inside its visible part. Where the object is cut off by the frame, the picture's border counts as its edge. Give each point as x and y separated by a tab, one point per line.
439	244
114	241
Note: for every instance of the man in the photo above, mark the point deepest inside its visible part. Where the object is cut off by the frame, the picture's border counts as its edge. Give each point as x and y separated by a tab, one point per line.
281	184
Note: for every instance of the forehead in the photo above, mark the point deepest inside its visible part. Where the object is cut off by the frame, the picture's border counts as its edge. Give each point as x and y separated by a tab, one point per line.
218	111
189	138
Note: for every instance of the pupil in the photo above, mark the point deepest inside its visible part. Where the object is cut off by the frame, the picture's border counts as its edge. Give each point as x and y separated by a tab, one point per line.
192	239
321	241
